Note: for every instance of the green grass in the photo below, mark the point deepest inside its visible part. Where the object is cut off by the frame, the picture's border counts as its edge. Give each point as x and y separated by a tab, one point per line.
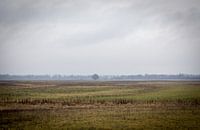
100	94
99	105
104	117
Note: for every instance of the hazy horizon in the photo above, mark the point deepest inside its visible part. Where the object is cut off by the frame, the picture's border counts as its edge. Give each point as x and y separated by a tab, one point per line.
104	37
134	74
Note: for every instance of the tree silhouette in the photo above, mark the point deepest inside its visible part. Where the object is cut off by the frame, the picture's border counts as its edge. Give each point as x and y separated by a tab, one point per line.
95	76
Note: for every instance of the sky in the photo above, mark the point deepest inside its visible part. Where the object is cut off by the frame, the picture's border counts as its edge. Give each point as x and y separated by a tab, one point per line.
99	36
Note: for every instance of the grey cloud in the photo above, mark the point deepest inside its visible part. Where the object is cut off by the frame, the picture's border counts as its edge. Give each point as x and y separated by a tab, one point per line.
136	35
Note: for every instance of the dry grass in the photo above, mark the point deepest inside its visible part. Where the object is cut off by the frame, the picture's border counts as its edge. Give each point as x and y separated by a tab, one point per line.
99	105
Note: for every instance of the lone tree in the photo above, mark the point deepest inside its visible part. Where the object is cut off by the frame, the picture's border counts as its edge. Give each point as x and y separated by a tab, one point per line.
95	76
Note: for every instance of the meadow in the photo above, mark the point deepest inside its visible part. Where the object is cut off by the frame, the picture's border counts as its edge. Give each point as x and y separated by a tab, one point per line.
99	105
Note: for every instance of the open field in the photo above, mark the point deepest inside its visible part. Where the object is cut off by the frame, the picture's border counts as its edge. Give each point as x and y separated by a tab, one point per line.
99	105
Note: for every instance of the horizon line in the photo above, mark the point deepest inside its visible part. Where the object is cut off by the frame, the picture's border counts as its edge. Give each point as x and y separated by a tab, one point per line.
97	74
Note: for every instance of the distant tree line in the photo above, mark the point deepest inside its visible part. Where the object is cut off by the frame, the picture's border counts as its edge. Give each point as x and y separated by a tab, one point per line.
101	77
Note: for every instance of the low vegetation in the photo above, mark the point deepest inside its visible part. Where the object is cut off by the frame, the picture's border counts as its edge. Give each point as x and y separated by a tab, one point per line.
99	105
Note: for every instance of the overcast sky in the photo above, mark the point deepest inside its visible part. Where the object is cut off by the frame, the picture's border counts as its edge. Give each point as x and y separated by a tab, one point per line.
99	36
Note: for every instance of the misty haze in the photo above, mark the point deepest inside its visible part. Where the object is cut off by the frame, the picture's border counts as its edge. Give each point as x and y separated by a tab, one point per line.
99	64
104	37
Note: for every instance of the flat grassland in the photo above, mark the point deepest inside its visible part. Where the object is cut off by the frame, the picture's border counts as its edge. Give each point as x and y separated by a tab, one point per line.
99	105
